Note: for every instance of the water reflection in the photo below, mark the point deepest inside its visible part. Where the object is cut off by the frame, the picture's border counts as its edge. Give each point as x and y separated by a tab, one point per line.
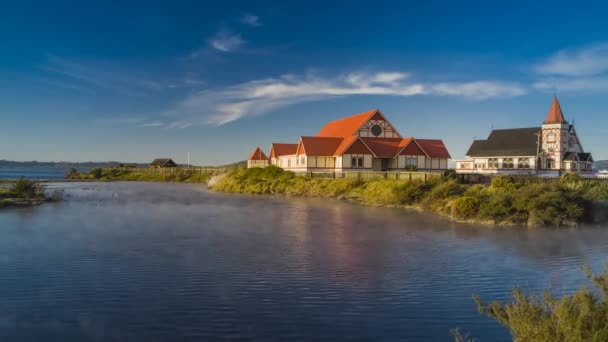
171	262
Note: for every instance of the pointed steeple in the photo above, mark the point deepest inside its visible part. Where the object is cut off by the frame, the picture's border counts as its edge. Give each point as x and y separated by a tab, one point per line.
555	113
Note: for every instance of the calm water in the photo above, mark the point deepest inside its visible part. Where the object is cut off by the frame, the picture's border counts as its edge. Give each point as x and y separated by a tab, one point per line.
170	262
32	173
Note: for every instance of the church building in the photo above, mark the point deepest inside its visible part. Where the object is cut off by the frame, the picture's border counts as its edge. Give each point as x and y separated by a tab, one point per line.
551	150
365	141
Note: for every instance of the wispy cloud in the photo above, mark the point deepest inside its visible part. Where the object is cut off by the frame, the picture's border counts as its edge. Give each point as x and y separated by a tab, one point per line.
221	106
573	84
250	19
151	124
587	61
226	41
99	77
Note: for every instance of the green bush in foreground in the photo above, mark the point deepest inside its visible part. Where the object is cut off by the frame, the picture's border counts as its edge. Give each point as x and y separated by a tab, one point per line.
27	189
507	200
582	316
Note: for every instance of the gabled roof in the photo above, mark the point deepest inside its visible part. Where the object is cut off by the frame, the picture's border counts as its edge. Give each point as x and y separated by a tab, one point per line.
257	155
280	149
555	114
320	146
507	142
346	126
434	148
384	147
346	143
160	162
573	156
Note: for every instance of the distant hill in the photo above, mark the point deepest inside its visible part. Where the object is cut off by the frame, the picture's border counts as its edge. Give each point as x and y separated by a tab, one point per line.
7	164
242	163
601	164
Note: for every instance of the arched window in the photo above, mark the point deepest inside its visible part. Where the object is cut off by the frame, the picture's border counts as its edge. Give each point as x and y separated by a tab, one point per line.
493	163
507	163
550	163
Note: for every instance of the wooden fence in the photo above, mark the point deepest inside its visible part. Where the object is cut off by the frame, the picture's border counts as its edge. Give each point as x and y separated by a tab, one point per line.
170	170
369	175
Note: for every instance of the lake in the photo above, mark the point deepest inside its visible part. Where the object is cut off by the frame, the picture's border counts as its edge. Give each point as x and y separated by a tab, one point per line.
175	262
42	174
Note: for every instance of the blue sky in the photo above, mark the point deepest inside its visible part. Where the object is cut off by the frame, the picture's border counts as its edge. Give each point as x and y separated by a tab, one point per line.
131	81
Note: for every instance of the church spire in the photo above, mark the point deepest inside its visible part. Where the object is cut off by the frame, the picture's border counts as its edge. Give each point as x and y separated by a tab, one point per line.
555	113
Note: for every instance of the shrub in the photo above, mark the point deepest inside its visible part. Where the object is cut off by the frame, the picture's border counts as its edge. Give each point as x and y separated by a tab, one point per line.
25	188
581	316
506	183
465	207
96	173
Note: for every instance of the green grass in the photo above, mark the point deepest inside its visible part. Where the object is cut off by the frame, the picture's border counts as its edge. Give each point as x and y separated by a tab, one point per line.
564	202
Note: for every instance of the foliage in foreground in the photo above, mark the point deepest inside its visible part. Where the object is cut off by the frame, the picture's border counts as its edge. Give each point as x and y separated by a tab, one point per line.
582	316
506	200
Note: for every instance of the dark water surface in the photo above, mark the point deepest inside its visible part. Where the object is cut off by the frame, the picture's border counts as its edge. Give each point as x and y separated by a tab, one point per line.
32	173
171	262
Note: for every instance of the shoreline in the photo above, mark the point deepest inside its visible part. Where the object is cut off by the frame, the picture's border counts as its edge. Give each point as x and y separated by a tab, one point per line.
507	202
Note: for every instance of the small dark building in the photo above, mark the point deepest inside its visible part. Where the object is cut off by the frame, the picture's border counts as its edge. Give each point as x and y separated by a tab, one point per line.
162	162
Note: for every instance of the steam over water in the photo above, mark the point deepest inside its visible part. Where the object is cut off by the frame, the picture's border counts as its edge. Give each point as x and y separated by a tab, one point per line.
170	262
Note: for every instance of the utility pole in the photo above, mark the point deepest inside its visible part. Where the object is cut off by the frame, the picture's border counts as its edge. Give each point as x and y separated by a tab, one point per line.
188	160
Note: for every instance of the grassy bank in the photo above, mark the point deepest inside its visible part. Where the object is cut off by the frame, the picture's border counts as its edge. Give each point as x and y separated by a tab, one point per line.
506	200
133	175
24	193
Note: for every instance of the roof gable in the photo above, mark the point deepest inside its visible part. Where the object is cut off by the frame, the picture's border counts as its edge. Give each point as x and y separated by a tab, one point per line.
161	162
280	149
257	154
320	146
353	145
411	148
555	114
434	148
346	126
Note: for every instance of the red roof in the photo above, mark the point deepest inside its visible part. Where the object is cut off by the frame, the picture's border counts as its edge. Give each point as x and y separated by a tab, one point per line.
555	113
383	147
352	145
320	146
278	149
346	126
257	155
433	148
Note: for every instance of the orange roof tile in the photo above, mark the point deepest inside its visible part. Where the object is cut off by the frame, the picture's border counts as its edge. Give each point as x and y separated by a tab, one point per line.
257	155
434	148
346	126
555	114
320	146
279	149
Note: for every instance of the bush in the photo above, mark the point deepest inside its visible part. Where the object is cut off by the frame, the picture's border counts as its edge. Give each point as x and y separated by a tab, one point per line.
96	173
465	208
25	188
581	316
506	183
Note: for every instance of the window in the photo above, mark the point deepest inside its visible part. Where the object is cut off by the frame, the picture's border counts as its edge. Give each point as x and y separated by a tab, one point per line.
550	163
356	162
411	161
302	160
574	167
376	130
493	163
288	162
507	163
523	163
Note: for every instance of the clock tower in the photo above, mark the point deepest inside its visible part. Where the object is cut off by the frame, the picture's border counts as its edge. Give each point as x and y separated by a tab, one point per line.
558	138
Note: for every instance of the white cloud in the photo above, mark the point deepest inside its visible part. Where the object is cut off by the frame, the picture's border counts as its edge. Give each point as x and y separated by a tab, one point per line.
151	124
226	41
221	106
479	90
251	20
573	84
588	61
